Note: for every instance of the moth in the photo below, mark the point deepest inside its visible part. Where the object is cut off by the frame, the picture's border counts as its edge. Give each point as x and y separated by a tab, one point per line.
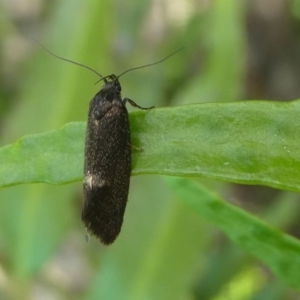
107	162
107	157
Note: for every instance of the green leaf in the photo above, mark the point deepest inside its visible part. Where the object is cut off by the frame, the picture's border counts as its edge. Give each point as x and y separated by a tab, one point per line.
279	251
252	142
51	157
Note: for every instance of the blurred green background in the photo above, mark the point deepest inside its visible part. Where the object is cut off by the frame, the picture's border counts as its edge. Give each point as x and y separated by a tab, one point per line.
233	50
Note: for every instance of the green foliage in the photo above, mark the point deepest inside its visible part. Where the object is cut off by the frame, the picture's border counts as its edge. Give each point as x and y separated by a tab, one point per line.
229	142
166	250
277	250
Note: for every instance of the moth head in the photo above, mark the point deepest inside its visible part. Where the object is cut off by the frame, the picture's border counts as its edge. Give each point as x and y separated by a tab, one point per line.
112	81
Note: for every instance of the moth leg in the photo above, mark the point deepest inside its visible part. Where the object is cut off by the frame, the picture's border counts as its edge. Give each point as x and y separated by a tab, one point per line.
134	104
139	149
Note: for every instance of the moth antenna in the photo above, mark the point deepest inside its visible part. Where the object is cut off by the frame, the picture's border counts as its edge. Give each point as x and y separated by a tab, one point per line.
152	64
103	78
65	59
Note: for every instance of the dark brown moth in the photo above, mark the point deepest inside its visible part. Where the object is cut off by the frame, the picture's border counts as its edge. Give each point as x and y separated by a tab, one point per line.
107	158
107	162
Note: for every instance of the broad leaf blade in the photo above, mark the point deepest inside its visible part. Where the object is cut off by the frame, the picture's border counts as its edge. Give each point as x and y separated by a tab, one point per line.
252	142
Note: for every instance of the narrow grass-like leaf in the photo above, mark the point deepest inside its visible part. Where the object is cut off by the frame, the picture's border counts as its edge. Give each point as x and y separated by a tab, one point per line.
276	249
254	142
